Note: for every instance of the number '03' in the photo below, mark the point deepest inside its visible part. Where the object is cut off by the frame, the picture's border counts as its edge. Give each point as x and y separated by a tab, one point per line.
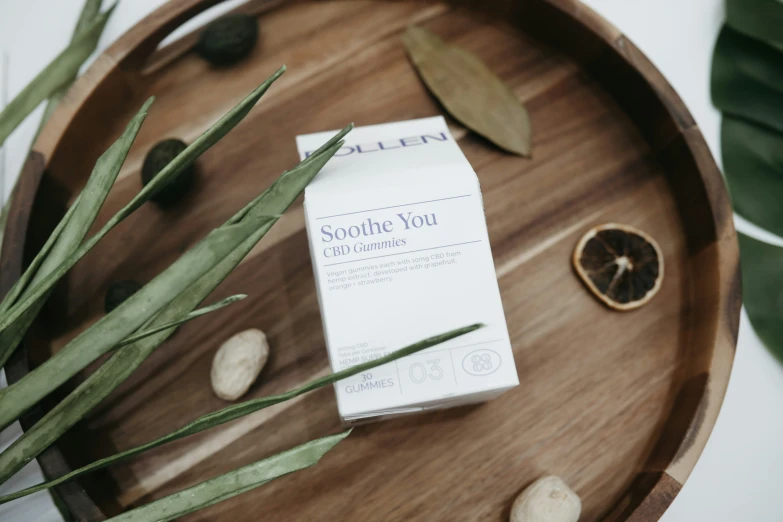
419	373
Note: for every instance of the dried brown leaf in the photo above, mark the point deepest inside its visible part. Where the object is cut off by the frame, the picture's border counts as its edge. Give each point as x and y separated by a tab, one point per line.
470	91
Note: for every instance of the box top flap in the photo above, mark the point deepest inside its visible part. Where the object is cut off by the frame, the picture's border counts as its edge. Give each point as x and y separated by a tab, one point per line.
389	154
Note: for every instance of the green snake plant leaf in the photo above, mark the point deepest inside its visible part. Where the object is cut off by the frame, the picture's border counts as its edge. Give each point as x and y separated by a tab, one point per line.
183	160
243	408
232	483
40	257
123	362
70	232
132	314
143	305
90	12
138	336
60	72
747	86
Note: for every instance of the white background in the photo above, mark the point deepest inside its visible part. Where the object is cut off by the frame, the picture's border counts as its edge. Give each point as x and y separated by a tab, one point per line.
740	474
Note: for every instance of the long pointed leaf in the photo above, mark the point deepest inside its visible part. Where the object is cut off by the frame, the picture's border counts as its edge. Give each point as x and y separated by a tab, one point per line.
244	408
291	181
124	320
232	483
77	225
90	11
184	319
185	158
53	77
122	364
21	283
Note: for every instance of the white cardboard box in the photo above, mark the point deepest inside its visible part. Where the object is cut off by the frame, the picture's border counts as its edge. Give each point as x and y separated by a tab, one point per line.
400	252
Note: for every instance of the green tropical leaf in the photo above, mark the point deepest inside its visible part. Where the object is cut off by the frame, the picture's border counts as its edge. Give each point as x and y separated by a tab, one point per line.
232	483
747	79
761	19
747	86
753	166
762	290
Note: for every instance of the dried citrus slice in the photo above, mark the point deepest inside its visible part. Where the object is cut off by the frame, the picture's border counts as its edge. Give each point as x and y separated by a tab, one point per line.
621	265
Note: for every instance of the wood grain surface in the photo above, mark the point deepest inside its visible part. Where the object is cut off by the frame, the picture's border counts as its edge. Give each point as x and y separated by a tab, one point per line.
618	404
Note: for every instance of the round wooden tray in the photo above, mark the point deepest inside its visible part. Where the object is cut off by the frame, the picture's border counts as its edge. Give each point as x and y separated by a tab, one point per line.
619	404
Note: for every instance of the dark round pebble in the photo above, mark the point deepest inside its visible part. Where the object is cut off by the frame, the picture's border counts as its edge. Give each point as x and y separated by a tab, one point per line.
118	292
228	39
157	158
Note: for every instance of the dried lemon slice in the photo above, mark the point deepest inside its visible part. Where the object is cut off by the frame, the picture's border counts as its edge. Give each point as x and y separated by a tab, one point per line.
621	265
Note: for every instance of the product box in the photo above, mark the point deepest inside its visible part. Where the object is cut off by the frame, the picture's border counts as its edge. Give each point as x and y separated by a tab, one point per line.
400	252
